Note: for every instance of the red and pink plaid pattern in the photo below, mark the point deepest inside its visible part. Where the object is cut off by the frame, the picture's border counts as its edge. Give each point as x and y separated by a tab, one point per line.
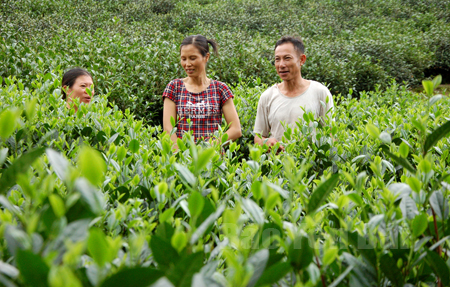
203	109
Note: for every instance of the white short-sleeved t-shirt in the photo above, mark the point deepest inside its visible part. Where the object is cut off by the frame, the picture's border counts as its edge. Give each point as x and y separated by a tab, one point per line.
275	108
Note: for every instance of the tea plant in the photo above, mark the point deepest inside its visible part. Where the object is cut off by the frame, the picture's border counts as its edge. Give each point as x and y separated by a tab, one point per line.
98	197
101	199
132	47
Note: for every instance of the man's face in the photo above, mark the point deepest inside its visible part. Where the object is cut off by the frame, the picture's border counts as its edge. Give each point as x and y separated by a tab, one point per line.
288	61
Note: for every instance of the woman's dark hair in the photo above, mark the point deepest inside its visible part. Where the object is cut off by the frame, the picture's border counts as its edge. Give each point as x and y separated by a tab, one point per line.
70	77
296	41
201	43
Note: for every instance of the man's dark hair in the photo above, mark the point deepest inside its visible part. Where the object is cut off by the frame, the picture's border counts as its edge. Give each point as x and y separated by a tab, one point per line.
70	77
296	41
201	43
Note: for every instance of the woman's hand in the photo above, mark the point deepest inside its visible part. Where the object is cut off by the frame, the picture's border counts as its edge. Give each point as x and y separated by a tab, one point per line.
170	111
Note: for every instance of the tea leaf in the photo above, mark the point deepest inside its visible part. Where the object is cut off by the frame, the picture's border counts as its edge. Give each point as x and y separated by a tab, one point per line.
133	277
121	153
19	166
435	99
3	155
437	81
163	252
203	158
330	255
385	137
256	189
198	233
435	136
196	203
259	262
32	268
404	150
181	275
168	213
59	163
401	161
439	266
390	269
400	190
30	108
373	131
92	165
439	204
321	193
185	174
428	86
419	224
8	269
414	183
57	205
409	208
62	276
273	274
179	241
253	210
8	122
300	253
90	195
134	146
98	247
113	138
341	277
364	247
224	138
172	122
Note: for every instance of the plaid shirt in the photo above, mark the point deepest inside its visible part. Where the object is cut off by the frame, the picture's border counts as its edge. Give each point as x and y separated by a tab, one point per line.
204	109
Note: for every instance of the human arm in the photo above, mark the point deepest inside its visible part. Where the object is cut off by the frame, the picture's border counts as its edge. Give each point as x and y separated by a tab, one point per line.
169	111
262	125
231	117
326	115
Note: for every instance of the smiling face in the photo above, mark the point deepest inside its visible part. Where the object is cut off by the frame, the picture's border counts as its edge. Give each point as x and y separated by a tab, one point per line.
192	61
288	62
78	89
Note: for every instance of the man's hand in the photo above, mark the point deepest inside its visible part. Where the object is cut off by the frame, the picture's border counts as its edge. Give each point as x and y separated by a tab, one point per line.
270	142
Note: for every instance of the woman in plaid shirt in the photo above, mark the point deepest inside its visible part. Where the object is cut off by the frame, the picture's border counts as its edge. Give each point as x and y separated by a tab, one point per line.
198	99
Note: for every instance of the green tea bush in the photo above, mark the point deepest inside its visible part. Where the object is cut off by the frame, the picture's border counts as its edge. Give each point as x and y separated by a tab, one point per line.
349	44
100	198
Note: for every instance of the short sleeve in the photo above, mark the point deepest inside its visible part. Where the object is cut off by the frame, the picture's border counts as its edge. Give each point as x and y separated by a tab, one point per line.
327	105
262	126
170	91
330	105
225	93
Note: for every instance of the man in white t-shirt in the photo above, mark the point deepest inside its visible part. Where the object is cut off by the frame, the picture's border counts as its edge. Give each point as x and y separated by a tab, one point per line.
286	102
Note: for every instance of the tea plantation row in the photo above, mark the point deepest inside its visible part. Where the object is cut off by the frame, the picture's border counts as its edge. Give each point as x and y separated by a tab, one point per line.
131	47
96	198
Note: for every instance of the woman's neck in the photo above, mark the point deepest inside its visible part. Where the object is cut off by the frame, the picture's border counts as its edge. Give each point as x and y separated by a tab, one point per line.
199	81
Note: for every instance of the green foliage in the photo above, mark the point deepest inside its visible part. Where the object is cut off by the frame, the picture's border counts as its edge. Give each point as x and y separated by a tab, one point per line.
33	269
132	47
91	165
138	276
98	197
109	202
321	193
